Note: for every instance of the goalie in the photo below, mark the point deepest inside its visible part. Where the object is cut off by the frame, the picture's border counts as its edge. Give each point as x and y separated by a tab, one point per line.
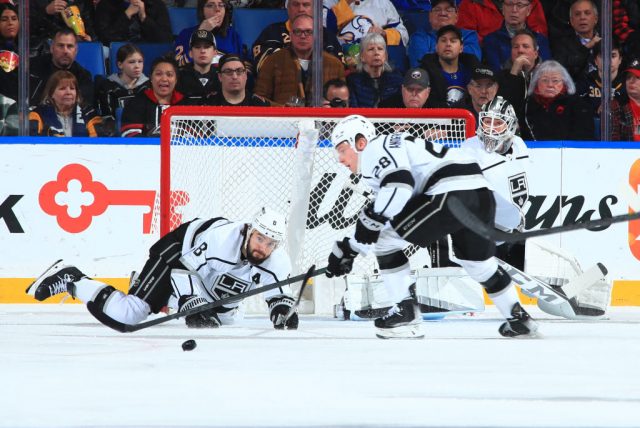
199	262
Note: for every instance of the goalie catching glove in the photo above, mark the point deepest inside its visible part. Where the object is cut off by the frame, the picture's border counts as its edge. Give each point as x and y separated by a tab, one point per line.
206	319
369	226
341	259
279	308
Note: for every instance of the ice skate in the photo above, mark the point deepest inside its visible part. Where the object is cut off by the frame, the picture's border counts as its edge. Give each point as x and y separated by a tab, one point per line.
402	321
519	325
55	280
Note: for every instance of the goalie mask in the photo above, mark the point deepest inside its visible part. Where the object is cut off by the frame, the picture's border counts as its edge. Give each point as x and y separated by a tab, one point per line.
497	125
348	129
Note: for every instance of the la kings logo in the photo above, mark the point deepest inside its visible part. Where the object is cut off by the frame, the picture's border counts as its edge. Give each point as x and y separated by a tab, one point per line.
519	189
228	285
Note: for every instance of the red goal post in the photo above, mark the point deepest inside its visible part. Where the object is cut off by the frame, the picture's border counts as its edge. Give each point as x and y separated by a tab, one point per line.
230	161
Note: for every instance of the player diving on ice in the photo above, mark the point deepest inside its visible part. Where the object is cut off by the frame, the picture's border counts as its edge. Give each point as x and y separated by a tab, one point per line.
201	261
412	179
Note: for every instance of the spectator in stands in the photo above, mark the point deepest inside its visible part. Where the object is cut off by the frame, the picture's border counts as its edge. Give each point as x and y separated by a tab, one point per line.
64	49
8	116
374	79
9	59
589	86
136	21
625	111
286	74
61	112
514	81
115	91
497	45
335	93
484	17
353	19
482	89
197	79
46	19
277	36
232	72
575	51
141	115
214	16
553	110
557	13
414	92
443	12
449	68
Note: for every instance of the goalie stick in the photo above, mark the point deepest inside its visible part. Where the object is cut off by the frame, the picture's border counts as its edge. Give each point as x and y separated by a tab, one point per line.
128	328
470	220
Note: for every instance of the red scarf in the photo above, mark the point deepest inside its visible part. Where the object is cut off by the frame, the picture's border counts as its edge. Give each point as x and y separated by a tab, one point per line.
545	102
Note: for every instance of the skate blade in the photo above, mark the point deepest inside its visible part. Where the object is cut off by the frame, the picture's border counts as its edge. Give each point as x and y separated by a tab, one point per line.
31	289
403	332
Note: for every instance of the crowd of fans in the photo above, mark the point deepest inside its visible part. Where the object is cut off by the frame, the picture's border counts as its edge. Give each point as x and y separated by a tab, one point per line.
543	56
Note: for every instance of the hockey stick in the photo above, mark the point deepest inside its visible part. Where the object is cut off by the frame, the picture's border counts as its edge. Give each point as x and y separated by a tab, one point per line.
310	274
471	221
128	328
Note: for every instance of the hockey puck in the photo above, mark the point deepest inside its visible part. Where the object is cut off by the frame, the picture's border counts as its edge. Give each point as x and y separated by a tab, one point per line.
189	345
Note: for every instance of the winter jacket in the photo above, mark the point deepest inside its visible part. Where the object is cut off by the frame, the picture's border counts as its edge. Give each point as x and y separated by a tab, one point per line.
484	17
573	55
44	121
423	42
280	77
363	92
112	93
496	49
567	118
513	88
113	24
141	115
622	120
41	67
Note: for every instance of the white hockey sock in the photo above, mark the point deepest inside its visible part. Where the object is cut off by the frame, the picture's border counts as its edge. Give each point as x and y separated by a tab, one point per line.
119	306
505	299
397	284
87	289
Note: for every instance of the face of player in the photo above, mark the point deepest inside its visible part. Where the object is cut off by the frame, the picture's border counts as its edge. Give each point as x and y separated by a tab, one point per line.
9	24
632	84
550	84
523	45
347	156
260	247
441	15
214	8
132	66
415	96
482	91
448	46
65	95
299	7
202	53
374	55
163	80
64	50
233	76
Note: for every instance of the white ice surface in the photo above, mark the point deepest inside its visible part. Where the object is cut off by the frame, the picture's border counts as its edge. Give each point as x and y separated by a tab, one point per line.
60	368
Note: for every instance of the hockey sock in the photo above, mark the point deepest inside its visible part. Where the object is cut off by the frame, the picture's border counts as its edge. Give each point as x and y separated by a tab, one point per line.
505	299
86	289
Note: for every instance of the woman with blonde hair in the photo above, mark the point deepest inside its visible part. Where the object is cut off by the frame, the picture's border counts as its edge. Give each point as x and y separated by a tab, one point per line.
60	114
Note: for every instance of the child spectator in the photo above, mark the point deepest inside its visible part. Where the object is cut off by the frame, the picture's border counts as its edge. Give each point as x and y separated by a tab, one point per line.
199	78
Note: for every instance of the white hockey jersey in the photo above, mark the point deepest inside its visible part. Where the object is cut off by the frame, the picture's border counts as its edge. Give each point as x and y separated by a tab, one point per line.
507	174
399	166
215	253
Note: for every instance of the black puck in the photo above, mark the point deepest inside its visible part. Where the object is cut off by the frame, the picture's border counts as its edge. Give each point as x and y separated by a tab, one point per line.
189	345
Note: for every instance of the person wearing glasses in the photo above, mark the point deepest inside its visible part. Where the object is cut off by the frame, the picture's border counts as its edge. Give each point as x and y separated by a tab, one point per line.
553	110
497	45
285	75
484	17
198	78
214	16
233	91
443	12
137	21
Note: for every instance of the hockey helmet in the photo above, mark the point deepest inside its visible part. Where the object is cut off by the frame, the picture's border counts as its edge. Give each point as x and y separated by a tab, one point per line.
497	125
270	223
350	127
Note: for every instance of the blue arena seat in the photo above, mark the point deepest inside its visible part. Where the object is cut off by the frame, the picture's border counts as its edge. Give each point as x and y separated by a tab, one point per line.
181	18
91	56
150	50
398	58
249	23
415	20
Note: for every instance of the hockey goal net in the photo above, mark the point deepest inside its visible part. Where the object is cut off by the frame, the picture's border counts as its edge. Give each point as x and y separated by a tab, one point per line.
229	161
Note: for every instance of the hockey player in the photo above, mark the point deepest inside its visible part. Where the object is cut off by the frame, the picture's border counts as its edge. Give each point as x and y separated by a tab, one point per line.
412	179
199	262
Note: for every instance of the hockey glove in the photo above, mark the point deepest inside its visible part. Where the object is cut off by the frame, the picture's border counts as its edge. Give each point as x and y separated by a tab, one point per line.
369	226
341	259
206	319
279	308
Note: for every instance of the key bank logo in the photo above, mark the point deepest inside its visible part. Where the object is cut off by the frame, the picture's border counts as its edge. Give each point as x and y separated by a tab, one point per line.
634	226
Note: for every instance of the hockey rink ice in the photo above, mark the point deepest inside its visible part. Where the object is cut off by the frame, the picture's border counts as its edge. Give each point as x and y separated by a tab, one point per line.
60	368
